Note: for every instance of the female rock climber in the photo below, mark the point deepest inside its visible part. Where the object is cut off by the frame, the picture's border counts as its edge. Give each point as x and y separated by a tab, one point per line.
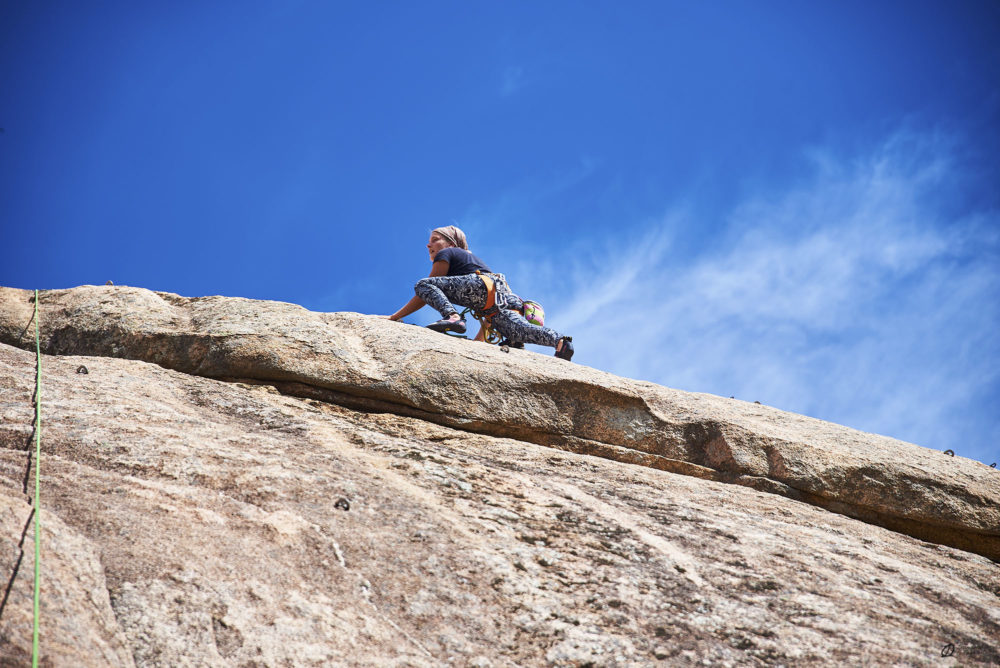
453	280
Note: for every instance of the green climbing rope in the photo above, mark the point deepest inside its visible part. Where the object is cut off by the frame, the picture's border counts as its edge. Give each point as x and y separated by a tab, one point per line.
38	485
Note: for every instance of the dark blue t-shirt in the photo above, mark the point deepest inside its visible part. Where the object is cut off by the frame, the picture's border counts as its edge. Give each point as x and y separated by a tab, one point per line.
461	262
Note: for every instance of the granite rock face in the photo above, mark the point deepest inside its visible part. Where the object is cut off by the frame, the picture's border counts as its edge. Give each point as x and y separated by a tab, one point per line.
367	363
235	482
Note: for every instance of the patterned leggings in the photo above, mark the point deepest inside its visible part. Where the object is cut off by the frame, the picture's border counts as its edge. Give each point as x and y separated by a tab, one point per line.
441	292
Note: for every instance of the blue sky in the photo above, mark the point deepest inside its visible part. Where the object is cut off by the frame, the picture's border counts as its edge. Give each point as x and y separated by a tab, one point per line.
788	202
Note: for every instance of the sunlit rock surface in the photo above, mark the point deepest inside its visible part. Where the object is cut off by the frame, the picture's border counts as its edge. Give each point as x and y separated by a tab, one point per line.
236	482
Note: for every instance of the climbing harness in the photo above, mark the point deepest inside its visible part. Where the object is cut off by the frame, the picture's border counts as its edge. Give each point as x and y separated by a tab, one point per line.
532	312
38	484
485	316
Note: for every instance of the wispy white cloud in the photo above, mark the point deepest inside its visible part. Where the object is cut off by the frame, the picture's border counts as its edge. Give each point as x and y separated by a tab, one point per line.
857	296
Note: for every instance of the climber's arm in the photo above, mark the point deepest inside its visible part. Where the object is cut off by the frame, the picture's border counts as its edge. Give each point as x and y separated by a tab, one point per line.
439	268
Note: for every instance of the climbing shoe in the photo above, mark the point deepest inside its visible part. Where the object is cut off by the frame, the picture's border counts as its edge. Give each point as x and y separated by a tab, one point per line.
446	325
566	352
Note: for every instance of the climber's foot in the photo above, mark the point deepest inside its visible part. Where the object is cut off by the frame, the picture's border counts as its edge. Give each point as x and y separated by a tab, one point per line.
564	349
453	323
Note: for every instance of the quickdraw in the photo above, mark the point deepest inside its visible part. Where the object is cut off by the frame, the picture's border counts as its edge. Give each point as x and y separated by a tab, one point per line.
491	335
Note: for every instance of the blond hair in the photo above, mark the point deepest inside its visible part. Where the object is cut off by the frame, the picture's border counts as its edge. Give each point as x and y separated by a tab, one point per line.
453	235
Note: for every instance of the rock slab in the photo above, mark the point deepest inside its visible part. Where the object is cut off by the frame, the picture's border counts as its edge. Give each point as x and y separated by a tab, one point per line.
293	497
368	363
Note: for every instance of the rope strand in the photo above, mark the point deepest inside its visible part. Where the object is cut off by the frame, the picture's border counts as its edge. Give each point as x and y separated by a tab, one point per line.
38	485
